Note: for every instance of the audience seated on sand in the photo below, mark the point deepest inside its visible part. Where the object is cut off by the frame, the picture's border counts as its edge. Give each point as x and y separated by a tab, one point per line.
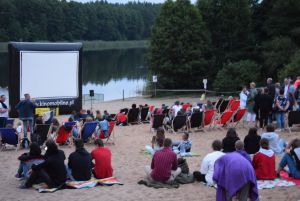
80	163
54	125
239	147
105	114
275	143
264	162
103	126
291	159
98	115
209	105
229	141
89	114
83	114
235	177
207	166
251	141
176	108
52	171
183	147
157	141
121	118
164	166
102	157
28	159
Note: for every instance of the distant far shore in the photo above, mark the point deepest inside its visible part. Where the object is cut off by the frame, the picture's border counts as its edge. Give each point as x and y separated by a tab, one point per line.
98	45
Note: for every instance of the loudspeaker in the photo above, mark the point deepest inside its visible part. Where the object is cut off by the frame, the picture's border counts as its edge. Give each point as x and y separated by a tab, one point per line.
92	93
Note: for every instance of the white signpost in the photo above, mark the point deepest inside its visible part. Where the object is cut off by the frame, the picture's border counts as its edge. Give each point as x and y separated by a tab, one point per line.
205	84
154	80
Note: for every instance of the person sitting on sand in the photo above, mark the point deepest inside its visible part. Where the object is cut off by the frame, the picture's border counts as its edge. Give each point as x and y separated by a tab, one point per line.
207	166
183	147
121	118
229	141
235	177
157	141
239	147
264	162
102	156
164	167
275	143
80	163
251	141
28	159
291	159
52	171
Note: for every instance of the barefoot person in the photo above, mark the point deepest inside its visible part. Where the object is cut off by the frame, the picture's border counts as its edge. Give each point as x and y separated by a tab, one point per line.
164	164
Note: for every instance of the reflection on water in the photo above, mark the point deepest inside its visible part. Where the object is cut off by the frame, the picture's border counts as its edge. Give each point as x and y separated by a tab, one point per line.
107	72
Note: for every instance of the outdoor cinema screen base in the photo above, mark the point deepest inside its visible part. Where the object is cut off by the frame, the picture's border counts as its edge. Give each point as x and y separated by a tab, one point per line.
50	72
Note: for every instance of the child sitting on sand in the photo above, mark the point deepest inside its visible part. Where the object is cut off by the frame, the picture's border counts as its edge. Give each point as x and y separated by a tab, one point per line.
157	142
183	147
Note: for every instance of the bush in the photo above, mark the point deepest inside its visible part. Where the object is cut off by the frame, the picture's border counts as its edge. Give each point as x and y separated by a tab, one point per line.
292	69
234	75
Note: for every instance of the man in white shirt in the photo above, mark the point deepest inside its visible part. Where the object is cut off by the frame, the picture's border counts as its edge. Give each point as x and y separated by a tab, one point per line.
176	108
3	112
275	143
243	97
207	166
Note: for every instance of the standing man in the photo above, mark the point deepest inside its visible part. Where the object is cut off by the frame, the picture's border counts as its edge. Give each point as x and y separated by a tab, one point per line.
3	111
26	113
271	88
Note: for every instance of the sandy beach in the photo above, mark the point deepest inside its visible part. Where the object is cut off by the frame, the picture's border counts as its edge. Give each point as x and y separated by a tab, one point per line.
128	163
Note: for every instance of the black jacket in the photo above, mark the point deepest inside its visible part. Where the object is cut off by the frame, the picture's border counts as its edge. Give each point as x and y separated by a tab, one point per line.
265	103
229	144
80	162
55	167
252	144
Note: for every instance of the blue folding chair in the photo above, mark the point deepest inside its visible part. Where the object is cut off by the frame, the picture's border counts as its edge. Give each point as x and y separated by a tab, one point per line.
71	124
88	130
9	136
48	116
10	121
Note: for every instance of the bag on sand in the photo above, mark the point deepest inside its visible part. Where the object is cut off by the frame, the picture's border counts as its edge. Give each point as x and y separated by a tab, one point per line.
183	165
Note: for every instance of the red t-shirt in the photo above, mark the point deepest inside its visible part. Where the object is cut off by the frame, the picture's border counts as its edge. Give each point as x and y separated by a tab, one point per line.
185	106
264	166
121	117
102	157
296	84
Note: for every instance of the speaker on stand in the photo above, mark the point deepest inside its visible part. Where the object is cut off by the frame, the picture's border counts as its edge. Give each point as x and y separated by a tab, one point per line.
92	94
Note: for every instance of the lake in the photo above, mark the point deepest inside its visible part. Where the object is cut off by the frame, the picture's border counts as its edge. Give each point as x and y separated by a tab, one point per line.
107	72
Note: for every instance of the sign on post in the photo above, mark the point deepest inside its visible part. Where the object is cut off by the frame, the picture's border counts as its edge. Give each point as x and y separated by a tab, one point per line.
205	83
154	78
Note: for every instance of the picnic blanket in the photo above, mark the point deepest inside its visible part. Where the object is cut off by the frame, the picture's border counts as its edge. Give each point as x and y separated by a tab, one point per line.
80	184
285	175
267	184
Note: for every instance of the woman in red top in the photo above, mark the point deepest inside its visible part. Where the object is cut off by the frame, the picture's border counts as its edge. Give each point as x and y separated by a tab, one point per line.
102	157
264	162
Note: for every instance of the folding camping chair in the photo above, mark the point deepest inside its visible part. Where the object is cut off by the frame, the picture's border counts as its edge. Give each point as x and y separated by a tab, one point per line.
179	122
71	124
144	115
238	116
88	130
234	106
110	133
196	120
224	119
158	121
41	132
223	106
293	118
133	116
218	103
48	116
209	117
9	136
63	135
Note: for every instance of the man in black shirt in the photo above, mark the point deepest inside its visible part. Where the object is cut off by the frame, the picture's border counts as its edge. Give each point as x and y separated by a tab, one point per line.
80	163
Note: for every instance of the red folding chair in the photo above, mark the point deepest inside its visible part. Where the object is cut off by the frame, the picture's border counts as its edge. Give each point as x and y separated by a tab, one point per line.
238	116
224	119
110	133
208	117
234	106
63	135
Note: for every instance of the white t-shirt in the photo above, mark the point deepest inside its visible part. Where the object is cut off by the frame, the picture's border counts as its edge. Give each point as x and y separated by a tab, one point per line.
207	166
243	99
3	114
176	109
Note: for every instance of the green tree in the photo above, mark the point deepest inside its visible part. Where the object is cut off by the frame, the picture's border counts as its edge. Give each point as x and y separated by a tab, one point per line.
292	69
178	45
234	75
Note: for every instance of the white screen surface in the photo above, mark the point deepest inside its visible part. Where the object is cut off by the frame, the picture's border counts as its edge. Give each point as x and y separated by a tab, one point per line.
49	74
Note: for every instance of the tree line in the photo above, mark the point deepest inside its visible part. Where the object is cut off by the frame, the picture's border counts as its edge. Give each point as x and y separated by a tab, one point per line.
230	42
61	20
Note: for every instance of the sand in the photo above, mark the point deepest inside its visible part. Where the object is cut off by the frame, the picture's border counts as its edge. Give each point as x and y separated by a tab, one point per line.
128	163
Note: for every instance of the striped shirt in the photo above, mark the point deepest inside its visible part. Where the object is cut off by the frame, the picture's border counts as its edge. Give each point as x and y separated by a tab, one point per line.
163	162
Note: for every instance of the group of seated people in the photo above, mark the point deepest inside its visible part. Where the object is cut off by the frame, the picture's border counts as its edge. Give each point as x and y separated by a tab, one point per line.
234	165
50	168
